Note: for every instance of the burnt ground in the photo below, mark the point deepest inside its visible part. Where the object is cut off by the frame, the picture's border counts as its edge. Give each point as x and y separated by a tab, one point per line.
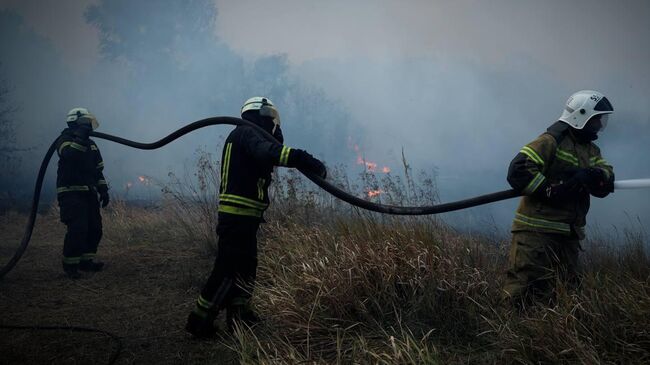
143	296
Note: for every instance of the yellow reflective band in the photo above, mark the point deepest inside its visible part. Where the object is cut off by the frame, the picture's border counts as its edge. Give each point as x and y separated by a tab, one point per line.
100	165
598	161
102	182
88	256
240	211
532	155
66	189
284	156
71	260
566	156
204	303
225	166
534	183
74	145
242	201
93	147
542	223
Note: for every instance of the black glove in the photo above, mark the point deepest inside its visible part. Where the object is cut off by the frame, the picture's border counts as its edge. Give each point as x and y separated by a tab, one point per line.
104	198
562	191
310	164
81	134
592	178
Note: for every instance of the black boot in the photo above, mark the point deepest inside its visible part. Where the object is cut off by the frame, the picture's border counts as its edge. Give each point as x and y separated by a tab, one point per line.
201	326
90	265
241	313
71	271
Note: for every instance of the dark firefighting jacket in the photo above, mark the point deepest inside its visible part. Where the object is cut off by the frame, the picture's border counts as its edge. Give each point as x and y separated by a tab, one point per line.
551	159
80	165
247	163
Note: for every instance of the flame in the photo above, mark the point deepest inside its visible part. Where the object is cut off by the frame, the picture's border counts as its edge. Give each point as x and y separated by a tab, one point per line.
144	180
369	165
372	193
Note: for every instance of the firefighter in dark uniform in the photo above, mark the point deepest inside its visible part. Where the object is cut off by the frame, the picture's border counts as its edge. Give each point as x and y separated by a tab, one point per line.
247	162
79	182
557	173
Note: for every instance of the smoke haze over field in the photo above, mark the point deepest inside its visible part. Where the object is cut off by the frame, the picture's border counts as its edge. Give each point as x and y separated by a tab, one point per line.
459	85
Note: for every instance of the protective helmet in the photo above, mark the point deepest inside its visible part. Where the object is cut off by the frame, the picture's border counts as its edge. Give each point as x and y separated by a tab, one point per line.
264	106
81	116
584	105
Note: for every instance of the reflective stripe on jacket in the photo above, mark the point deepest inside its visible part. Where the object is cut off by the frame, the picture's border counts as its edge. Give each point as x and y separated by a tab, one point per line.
246	165
549	160
80	165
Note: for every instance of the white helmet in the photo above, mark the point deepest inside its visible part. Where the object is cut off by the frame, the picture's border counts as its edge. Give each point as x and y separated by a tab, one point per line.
265	107
583	105
79	116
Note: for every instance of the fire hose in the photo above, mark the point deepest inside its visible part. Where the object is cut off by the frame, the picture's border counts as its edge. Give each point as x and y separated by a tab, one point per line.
325	185
330	188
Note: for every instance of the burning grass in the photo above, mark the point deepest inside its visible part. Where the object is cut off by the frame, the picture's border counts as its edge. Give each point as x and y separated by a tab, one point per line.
335	285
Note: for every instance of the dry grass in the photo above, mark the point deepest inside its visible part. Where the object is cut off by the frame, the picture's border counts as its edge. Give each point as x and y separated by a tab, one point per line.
335	285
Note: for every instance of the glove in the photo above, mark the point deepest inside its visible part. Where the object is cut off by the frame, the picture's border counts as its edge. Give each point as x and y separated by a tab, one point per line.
310	164
81	134
592	178
562	191
104	198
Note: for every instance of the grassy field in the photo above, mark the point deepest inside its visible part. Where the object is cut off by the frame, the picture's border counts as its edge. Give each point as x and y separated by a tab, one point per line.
335	285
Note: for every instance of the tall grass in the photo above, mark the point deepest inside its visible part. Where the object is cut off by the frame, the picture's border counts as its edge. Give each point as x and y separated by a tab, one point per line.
337	284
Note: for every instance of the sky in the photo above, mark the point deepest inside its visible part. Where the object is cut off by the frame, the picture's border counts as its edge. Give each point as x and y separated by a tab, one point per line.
460	86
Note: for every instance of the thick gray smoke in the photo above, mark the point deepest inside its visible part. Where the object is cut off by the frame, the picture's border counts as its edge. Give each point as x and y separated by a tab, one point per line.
460	86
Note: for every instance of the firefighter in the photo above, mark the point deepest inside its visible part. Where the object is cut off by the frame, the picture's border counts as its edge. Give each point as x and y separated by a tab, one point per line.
79	184
556	173
247	162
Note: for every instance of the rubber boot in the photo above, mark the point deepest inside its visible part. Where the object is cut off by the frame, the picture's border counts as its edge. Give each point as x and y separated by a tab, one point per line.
201	325
91	265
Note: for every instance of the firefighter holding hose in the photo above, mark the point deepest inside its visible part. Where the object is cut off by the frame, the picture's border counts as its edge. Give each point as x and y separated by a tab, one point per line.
557	173
247	162
81	188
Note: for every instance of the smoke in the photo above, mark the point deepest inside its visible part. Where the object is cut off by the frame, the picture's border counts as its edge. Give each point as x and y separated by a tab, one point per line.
460	86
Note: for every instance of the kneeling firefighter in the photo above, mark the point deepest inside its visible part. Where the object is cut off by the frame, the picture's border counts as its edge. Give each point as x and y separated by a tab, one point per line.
246	166
557	173
79	182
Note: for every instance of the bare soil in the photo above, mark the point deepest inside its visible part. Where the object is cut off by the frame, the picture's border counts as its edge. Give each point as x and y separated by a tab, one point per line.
143	296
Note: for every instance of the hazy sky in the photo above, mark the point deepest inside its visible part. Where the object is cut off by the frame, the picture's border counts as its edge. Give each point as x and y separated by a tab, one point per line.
460	85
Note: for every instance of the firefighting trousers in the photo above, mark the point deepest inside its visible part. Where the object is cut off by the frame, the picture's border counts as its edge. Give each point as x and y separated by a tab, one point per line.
80	213
233	275
538	261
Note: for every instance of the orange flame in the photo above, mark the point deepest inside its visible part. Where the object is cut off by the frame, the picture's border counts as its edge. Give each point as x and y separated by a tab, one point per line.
370	166
144	180
372	193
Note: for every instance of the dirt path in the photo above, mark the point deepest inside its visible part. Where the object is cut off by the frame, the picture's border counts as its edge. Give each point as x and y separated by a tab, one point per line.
143	296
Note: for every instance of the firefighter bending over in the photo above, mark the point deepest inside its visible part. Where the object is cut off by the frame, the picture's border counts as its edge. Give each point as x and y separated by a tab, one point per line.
79	182
557	173
247	163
